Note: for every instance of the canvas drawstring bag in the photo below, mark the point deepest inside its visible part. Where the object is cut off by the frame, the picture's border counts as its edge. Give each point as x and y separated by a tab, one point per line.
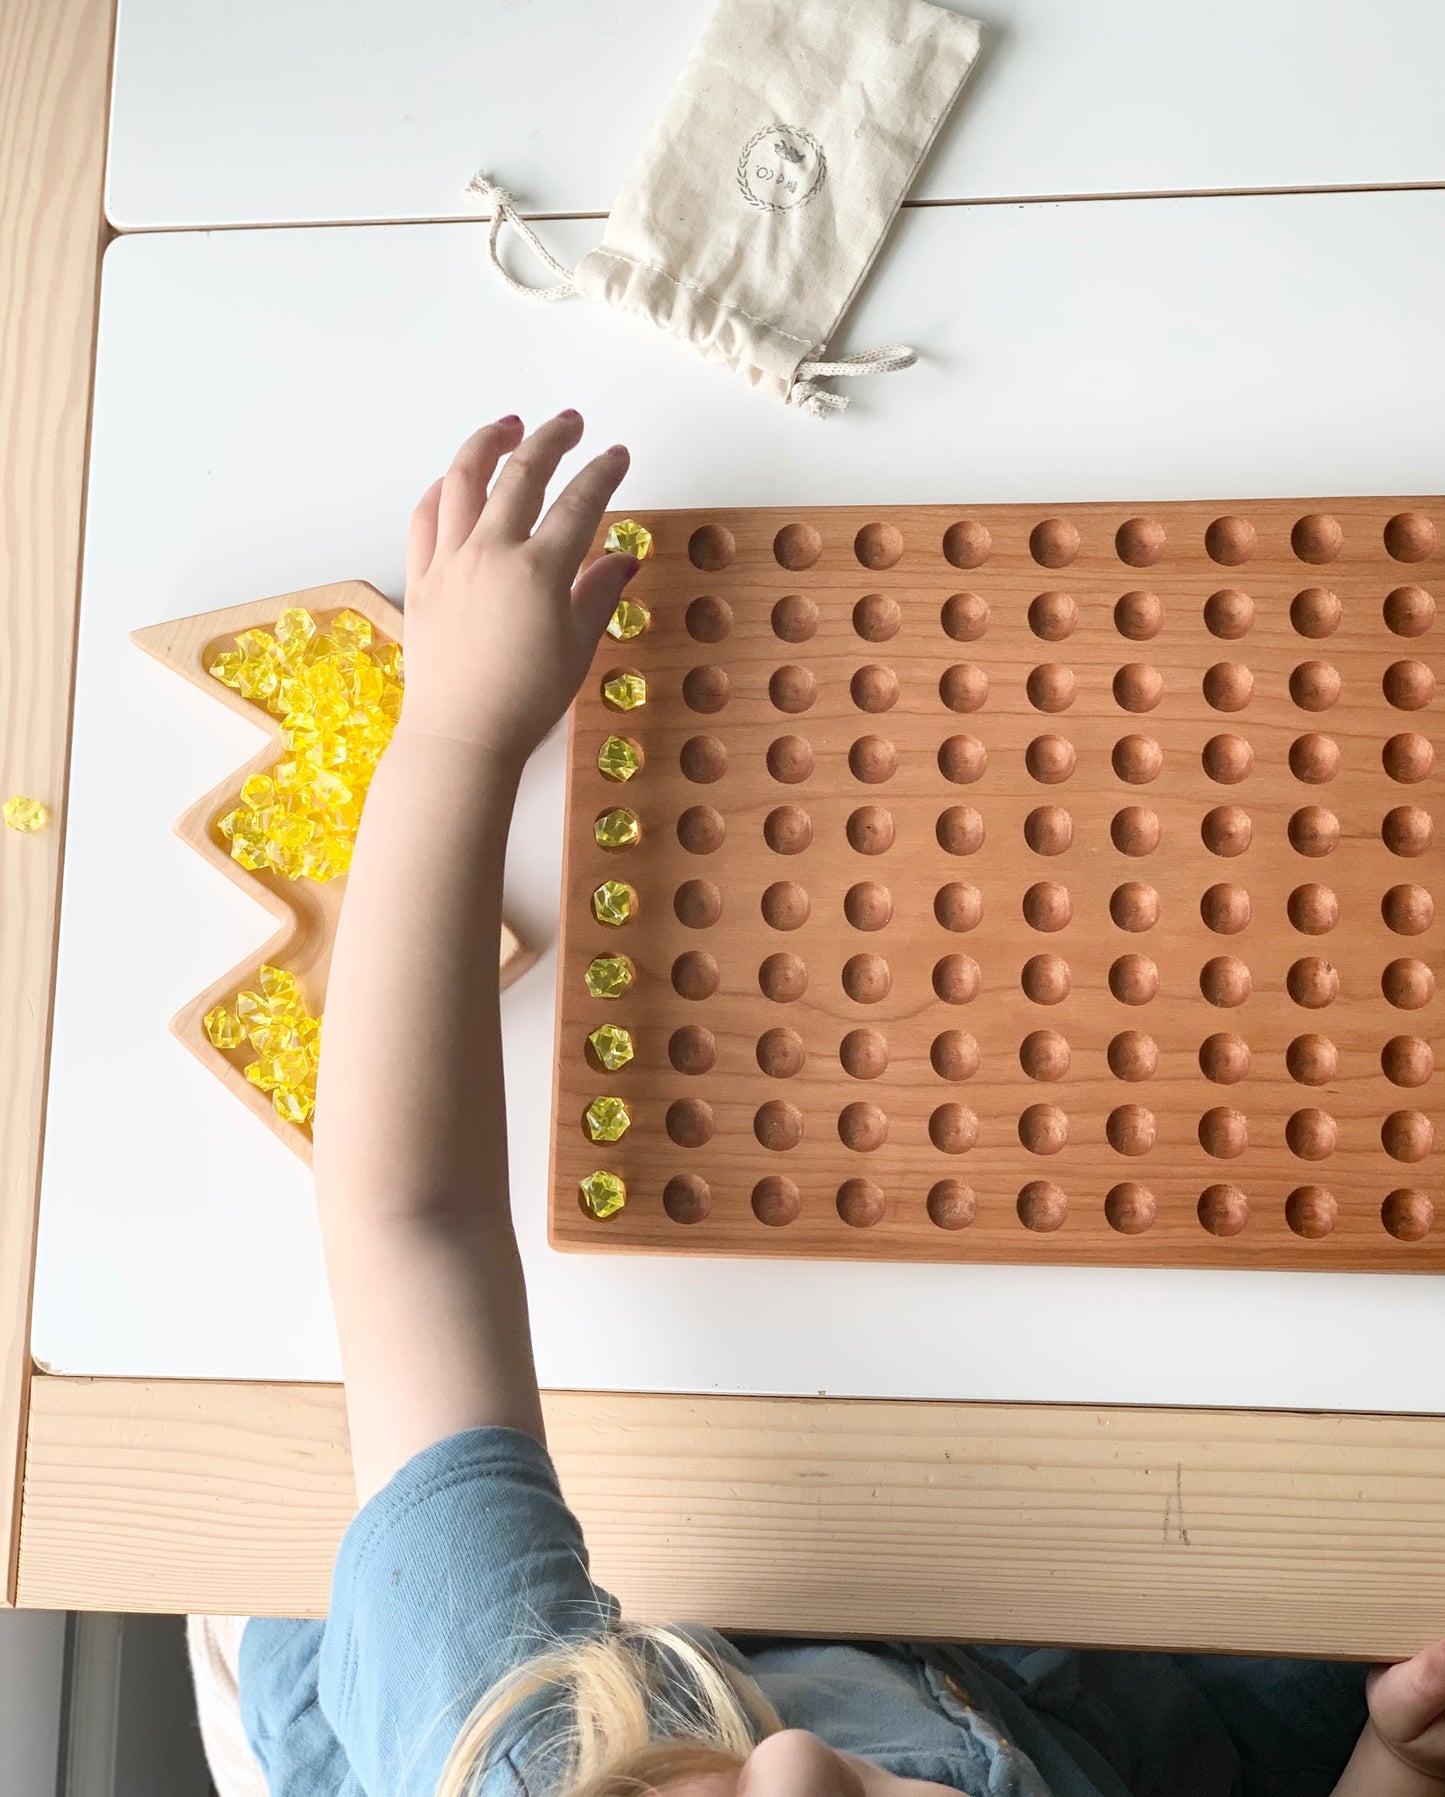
769	183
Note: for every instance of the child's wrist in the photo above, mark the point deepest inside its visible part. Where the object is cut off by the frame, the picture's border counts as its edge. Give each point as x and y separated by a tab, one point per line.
498	763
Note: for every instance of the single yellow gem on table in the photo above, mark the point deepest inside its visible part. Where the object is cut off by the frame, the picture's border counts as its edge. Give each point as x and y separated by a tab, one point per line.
607	1119
628	537
603	1195
25	815
625	691
274	1022
617	759
223	1028
617	829
629	620
612	1045
609	976
614	902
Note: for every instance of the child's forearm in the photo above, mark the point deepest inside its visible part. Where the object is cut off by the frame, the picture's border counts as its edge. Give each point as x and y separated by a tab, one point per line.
1376	1771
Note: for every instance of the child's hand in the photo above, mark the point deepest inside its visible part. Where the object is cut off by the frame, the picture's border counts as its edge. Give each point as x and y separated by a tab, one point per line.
1407	1710
499	628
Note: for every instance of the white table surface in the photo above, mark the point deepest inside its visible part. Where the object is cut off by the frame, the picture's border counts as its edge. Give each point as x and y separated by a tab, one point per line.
273	112
268	406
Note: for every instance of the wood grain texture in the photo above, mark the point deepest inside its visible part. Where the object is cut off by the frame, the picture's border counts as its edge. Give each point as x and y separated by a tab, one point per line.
1266	1532
54	64
1012	886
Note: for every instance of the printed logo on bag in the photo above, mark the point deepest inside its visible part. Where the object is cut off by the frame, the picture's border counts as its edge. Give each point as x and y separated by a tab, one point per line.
781	167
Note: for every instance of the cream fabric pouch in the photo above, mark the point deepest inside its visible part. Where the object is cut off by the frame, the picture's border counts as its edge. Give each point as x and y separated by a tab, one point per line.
769	184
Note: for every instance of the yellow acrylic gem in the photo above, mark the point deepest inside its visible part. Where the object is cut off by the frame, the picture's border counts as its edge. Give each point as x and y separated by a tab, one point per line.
284	1035
223	1028
617	759
629	620
25	815
295	627
614	902
292	1105
617	829
609	976
603	1195
612	1045
607	1119
349	630
628	537
625	691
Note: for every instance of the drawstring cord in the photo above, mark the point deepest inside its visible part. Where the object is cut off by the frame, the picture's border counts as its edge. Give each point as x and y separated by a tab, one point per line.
819	402
504	212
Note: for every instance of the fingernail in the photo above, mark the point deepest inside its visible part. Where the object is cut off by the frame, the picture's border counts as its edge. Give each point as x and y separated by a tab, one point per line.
571	412
618	449
510	419
632	566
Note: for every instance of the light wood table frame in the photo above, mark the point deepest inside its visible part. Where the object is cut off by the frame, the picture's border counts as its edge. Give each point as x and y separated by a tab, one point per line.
1269	1532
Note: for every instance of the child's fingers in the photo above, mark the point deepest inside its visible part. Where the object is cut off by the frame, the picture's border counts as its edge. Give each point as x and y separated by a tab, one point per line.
421	537
598	588
573	516
522	485
1405	1699
464	486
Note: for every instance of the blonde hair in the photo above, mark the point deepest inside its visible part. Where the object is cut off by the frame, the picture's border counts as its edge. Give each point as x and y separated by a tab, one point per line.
640	1705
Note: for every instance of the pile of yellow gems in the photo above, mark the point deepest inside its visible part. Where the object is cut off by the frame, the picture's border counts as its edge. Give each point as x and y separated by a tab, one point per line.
285	1036
338	696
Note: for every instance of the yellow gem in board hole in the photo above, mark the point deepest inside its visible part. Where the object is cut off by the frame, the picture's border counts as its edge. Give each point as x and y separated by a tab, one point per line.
625	691
617	759
25	815
223	1028
614	902
617	829
607	1119
609	976
612	1045
603	1195
629	620
628	537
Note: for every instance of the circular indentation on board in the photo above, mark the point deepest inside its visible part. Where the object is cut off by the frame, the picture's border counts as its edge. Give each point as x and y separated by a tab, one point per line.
1229	614
1133	979
860	1203
1133	1055
708	620
962	759
775	1201
785	905
1316	612
1312	982
1314	910
1314	831
877	617
1046	979
1408	1215
778	1125
867	979
692	1049
1408	685
1047	905
1130	1208
1228	686
710	548
787	829
1053	616
1408	910
689	1122
792	688
1227	759
878	545
1314	685
862	1126
1044	1055
1134	906
1409	537
1137	759
1042	1206
1224	1058
783	978
697	904
1051	687
795	618
687	1198
1223	1209
1225	908
954	1055
695	975
963	687
1054	542
703	759
1314	758
705	688
1139	616
951	1204
1138	686
1050	759
1312	1135
1224	1132
701	830
873	759
874	688
964	617
966	544
1044	1128
956	979
864	1053
1407	1061
958	906
868	905
1139	542
790	759
1407	830
1311	1211
1048	830
1408	757
1409	611
1317	538
1312	1060
1229	541
952	1128
960	830
1407	1135
1131	1129
1226	830
870	830
1225	980
797	546
1135	830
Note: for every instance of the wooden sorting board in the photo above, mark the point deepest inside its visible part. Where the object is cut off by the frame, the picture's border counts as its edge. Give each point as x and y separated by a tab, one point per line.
1012	886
